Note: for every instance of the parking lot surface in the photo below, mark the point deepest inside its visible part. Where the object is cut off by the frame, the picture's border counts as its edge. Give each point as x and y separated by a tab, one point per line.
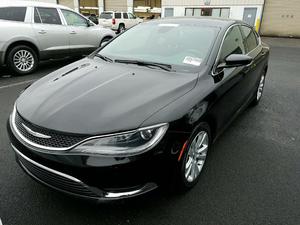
252	175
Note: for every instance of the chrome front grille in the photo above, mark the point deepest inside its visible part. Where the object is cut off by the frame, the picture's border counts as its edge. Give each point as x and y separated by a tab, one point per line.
55	179
55	140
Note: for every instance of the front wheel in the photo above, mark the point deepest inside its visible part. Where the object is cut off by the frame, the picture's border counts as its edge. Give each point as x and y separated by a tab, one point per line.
22	60
194	157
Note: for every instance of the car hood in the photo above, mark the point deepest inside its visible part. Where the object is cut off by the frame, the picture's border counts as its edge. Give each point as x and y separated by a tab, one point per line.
97	97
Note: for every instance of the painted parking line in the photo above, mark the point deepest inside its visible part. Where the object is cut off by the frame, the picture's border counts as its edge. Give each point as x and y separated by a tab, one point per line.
17	84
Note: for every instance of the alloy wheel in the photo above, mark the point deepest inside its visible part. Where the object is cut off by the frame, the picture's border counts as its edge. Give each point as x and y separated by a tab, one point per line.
196	156
23	60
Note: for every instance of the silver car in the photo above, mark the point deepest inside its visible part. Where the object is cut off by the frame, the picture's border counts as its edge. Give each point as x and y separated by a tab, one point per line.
34	31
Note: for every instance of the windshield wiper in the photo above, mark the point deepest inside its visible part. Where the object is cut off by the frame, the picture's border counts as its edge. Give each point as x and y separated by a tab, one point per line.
163	66
105	58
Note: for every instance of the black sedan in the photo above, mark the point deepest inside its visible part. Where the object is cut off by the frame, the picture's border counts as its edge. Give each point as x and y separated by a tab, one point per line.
141	111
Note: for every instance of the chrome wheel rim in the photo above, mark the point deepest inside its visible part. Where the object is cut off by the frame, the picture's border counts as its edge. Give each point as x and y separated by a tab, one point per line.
23	60
196	156
260	87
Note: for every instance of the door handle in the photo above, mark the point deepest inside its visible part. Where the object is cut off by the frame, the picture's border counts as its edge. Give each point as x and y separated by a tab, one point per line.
42	32
73	32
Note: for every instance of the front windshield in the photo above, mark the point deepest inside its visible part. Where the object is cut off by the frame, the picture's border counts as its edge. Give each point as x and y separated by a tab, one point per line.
182	45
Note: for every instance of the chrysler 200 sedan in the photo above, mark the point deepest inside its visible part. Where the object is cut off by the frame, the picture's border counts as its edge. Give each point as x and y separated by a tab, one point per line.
140	112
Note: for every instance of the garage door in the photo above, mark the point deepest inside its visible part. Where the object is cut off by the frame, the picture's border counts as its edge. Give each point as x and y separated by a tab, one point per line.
68	3
116	5
281	18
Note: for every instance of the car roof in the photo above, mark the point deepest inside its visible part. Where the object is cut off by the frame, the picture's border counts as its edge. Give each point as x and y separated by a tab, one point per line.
207	21
10	3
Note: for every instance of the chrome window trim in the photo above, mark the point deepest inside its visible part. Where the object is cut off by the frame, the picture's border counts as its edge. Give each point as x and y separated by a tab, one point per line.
55	150
222	42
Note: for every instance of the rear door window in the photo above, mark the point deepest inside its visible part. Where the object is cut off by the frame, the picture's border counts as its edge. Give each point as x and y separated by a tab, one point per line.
47	16
117	15
125	15
250	39
13	13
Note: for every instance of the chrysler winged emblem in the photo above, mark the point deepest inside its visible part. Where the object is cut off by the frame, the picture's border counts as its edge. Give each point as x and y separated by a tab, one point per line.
33	133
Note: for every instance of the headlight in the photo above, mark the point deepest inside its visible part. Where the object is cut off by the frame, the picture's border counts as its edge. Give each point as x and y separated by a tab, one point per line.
127	143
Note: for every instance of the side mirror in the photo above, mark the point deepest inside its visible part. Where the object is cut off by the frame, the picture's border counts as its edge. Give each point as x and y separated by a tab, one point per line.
235	60
89	23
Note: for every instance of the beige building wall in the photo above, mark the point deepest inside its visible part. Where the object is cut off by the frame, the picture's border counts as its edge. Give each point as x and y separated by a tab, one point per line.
115	5
281	18
68	3
47	1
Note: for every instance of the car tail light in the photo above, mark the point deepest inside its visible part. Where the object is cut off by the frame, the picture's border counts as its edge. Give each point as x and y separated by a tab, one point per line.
113	21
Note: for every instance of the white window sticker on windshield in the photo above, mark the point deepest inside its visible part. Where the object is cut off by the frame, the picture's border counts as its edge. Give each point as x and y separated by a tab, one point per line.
192	60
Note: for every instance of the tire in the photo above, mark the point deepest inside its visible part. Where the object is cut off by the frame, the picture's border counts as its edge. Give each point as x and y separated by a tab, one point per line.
259	90
105	39
22	60
183	180
121	28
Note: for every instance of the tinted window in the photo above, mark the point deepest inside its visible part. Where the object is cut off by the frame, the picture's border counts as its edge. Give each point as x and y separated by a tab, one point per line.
233	43
13	13
117	15
125	16
250	39
106	15
49	15
73	19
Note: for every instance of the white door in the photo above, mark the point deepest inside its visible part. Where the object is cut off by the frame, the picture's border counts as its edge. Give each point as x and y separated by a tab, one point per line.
127	21
84	37
133	20
51	34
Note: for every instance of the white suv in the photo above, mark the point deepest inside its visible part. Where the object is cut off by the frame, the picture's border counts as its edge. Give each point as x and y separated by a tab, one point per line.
118	21
34	31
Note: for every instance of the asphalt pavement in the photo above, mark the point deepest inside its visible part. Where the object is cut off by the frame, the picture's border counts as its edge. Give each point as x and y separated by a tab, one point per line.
252	175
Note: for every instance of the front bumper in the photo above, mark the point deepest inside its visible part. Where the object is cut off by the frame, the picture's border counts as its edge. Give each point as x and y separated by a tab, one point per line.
94	177
71	185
